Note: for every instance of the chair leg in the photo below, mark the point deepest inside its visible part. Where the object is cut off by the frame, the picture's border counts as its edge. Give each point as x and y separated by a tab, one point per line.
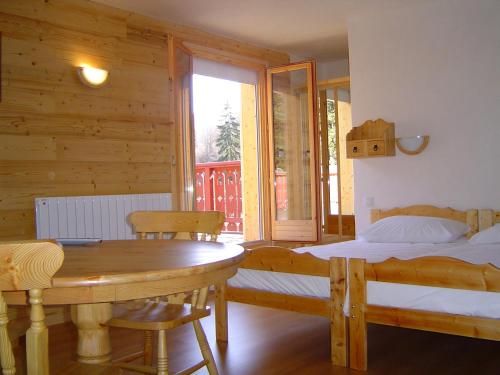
221	328
162	366
205	348
6	355
148	348
37	337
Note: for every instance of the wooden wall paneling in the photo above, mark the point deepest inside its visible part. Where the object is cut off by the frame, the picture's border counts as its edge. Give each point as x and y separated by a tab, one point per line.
35	172
22	197
84	127
17	224
20	147
83	16
58	137
111	150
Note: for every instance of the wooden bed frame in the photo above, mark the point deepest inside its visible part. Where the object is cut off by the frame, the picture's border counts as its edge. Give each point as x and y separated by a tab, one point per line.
429	271
279	259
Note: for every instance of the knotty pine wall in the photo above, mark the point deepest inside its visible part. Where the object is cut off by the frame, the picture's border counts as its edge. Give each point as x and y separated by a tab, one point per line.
60	138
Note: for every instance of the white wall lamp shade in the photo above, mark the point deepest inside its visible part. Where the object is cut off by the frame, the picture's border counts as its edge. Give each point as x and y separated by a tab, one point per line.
93	77
412	145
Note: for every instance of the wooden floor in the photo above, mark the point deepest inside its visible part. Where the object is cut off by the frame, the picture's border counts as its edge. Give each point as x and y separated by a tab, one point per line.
266	341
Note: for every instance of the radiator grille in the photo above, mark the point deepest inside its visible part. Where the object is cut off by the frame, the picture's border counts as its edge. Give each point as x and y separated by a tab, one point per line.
99	216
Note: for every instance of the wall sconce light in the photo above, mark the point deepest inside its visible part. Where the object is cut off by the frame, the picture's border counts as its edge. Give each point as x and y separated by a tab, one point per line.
412	145
92	77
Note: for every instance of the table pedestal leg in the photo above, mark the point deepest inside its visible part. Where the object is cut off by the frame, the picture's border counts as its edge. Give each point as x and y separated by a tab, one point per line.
93	333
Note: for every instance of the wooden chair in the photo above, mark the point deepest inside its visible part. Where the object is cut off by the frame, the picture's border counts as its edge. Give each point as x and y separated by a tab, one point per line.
183	225
30	265
162	315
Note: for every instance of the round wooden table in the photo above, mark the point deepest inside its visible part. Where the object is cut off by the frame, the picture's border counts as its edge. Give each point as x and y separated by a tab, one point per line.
94	275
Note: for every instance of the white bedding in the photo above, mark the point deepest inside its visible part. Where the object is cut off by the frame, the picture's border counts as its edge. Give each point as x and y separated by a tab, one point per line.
463	302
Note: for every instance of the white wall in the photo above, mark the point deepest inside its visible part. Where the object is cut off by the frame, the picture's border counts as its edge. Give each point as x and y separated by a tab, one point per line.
332	69
432	69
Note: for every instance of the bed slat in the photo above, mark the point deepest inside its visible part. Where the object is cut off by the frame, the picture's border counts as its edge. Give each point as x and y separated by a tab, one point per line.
301	304
461	325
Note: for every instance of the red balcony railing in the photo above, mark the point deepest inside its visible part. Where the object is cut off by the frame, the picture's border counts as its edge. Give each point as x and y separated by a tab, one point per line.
218	187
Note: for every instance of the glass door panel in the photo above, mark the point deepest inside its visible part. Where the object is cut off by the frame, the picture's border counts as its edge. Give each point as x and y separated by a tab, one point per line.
292	142
337	170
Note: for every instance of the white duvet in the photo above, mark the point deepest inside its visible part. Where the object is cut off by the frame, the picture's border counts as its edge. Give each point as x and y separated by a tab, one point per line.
463	302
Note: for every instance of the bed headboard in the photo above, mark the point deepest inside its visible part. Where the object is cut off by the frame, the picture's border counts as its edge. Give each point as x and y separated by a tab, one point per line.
488	218
469	216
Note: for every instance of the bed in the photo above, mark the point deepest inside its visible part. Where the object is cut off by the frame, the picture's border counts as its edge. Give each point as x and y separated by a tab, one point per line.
323	269
473	273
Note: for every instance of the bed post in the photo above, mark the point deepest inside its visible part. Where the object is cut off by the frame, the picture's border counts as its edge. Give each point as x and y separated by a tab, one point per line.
338	323
486	219
375	215
357	322
472	221
221	313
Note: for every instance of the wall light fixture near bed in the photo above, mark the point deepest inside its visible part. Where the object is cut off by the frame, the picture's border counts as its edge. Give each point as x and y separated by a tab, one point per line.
412	145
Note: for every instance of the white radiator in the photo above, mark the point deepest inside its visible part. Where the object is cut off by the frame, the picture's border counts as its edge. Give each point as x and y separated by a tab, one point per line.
99	216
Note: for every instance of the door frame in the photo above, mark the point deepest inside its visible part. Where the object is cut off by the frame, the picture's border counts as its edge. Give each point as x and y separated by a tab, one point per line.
198	51
295	226
331	220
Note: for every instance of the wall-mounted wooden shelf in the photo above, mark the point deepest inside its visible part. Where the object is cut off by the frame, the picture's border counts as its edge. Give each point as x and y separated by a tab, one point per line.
373	138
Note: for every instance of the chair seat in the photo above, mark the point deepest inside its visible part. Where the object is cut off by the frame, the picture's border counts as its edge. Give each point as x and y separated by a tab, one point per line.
154	316
76	368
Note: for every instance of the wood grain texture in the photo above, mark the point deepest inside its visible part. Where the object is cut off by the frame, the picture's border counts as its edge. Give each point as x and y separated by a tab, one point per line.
187	225
488	218
338	322
263	257
372	138
279	259
60	138
301	304
140	269
443	272
93	344
470	326
30	265
358	344
221	324
6	354
172	312
267	341
426	271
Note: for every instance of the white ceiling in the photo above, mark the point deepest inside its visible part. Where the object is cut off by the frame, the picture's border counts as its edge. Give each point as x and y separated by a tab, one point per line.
302	28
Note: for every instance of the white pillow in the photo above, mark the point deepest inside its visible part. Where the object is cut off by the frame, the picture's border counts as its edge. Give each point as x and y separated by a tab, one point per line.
490	235
415	229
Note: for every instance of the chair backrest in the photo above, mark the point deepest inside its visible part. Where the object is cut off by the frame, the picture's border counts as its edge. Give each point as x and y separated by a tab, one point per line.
27	265
185	225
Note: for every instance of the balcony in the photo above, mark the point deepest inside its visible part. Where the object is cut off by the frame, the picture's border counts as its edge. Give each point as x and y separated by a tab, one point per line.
218	187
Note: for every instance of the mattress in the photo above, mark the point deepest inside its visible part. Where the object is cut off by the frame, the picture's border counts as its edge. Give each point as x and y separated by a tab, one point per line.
446	300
